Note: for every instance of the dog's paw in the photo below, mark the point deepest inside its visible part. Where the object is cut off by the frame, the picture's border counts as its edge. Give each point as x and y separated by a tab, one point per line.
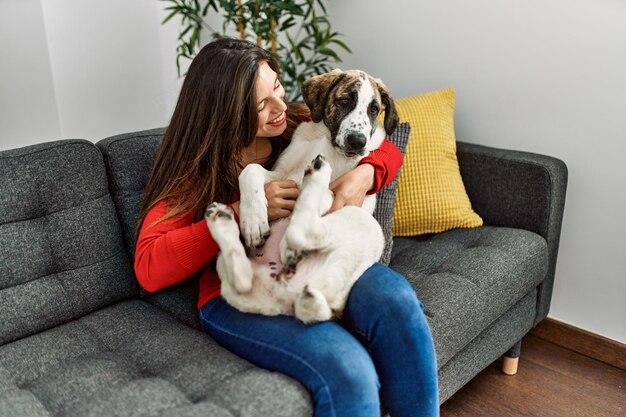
318	171
311	306
253	222
290	257
220	219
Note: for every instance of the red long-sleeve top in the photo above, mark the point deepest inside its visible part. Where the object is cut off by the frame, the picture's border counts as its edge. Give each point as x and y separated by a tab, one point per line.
171	251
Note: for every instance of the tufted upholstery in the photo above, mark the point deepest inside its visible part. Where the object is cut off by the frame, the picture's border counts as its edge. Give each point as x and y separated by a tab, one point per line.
75	338
131	359
61	251
521	190
467	278
128	165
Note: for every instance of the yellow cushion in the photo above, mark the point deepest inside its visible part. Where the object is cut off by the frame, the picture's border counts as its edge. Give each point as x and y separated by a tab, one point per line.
431	197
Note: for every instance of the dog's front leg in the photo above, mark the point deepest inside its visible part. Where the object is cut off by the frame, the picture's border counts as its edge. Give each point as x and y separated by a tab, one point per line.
253	219
306	232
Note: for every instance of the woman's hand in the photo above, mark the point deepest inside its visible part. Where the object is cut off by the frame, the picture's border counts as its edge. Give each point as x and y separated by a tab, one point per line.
281	198
350	189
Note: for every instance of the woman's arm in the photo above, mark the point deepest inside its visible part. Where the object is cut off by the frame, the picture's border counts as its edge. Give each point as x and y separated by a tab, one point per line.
386	160
373	173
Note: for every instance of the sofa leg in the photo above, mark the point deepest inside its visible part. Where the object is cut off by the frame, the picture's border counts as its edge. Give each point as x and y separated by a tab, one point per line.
511	359
509	365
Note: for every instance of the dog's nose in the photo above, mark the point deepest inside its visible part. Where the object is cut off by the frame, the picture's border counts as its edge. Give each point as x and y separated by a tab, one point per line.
355	142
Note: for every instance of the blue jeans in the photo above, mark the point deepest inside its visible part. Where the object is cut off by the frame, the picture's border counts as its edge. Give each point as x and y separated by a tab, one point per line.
382	343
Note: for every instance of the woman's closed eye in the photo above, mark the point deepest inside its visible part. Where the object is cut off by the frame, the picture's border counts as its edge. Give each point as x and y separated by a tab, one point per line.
277	86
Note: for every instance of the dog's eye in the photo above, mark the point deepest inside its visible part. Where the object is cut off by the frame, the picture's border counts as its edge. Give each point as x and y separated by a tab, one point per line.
374	110
344	101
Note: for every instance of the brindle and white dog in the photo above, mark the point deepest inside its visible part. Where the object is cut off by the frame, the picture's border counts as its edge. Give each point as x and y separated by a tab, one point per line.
305	265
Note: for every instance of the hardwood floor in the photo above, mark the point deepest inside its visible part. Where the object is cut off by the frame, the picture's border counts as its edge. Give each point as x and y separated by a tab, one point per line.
551	382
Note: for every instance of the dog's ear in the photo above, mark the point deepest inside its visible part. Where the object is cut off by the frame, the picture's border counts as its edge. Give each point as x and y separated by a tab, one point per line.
391	114
315	92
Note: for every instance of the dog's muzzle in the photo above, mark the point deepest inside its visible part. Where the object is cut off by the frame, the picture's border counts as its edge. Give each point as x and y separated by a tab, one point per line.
355	144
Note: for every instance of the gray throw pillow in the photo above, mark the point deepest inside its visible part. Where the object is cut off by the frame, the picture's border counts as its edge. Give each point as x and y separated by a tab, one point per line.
386	198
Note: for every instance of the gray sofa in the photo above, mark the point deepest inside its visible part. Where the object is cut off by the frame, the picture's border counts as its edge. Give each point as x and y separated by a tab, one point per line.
79	338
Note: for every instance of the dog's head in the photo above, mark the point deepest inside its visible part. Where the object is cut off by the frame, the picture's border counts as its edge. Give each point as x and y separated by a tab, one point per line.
349	103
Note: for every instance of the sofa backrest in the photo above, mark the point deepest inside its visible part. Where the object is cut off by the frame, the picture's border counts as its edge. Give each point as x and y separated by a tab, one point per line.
62	254
128	160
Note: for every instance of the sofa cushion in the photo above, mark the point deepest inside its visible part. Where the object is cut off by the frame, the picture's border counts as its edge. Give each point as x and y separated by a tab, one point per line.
132	359
62	254
467	278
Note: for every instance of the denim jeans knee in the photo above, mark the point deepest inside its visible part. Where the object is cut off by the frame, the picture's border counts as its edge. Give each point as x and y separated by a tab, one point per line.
324	357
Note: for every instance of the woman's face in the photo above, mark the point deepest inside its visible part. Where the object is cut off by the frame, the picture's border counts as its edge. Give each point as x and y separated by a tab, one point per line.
270	96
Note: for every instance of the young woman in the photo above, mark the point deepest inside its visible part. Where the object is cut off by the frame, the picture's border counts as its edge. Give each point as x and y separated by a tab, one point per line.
230	113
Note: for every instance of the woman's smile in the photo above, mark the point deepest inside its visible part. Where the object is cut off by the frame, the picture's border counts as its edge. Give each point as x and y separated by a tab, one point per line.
278	121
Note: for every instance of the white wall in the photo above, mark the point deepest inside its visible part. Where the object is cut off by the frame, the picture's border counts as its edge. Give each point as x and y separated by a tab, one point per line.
83	69
534	75
540	76
28	110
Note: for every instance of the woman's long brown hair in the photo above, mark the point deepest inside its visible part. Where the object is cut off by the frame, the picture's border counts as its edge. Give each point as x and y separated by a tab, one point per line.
215	119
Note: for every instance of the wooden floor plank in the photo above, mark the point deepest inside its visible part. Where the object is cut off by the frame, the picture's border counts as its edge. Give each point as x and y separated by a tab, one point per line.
582	341
572	364
551	382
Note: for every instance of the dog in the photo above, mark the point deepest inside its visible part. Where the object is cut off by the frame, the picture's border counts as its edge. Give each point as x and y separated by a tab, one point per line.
306	264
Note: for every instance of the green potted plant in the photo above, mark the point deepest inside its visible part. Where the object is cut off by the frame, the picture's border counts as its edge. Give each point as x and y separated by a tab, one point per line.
298	32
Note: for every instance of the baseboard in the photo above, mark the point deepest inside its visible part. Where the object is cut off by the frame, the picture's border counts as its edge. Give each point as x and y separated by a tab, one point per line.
581	341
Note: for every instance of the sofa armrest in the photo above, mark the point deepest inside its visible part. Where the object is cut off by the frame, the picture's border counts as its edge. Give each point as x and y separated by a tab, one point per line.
521	190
